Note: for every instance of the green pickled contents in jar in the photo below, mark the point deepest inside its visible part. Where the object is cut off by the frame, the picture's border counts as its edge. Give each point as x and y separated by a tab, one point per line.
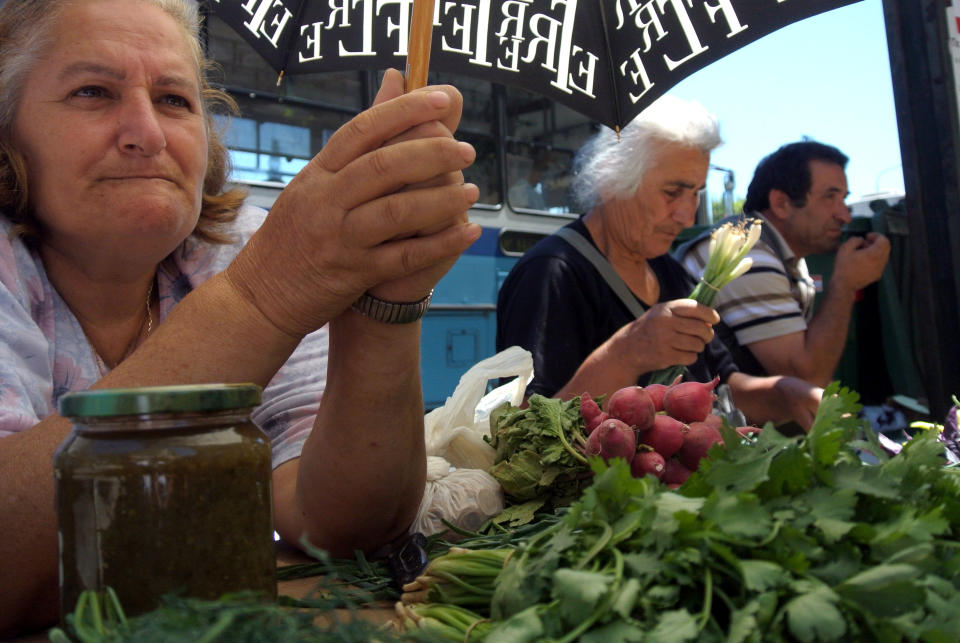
164	490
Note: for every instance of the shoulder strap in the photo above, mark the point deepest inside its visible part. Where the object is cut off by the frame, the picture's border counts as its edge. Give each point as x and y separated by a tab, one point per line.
603	266
768	237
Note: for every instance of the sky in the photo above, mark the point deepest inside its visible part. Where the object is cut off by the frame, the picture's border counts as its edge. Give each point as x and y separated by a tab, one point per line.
827	78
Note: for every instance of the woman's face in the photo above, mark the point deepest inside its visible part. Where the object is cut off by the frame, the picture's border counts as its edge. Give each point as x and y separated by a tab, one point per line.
110	124
665	203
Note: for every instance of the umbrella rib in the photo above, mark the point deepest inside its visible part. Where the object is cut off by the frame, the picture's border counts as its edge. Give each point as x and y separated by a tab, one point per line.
296	20
613	75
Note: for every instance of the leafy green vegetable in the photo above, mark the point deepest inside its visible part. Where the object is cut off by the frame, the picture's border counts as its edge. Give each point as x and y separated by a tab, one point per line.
776	538
344	584
538	457
235	618
772	539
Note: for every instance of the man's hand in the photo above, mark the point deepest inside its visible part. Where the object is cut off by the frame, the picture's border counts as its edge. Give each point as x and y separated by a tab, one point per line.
800	398
860	261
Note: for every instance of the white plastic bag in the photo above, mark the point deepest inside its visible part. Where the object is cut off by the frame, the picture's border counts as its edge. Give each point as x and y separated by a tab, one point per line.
455	430
459	489
463	497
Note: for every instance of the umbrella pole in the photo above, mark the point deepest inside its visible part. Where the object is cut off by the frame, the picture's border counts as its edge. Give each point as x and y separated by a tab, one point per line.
418	53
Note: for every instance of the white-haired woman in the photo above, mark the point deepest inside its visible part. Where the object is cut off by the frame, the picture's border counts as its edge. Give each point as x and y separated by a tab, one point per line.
123	263
601	304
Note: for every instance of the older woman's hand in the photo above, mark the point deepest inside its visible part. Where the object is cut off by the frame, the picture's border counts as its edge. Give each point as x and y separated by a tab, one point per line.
345	224
671	333
418	284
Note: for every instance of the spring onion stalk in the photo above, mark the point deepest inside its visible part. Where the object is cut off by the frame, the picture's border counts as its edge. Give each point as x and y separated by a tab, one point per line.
726	260
461	576
446	621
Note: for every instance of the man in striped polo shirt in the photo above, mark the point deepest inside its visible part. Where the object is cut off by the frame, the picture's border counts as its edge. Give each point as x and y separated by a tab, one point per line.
799	193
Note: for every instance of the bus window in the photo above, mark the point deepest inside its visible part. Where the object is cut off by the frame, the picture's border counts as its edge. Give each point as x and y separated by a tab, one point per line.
542	139
281	127
513	243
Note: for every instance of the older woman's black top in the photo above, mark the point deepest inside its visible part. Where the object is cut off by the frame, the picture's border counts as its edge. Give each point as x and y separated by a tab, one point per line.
555	304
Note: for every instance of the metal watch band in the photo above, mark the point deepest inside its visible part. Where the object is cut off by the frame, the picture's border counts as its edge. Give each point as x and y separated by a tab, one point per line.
391	312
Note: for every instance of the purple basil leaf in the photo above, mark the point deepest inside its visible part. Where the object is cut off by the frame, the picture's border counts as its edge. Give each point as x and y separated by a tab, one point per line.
950	436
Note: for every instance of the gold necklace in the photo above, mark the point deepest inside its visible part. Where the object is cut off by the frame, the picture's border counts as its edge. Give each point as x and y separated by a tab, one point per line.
147	321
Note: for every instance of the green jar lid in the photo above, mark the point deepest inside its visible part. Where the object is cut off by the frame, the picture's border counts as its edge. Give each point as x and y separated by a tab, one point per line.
159	399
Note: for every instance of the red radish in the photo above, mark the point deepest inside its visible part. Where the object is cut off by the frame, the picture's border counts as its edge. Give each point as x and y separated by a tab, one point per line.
591	413
675	473
645	462
665	436
714	420
699	438
612	439
632	405
690	401
656	391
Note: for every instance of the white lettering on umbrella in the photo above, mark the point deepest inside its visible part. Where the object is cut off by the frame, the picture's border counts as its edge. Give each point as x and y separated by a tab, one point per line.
259	10
466	43
464	27
515	23
401	27
367	26
647	19
311	34
586	72
637	72
729	14
527	38
483	29
689	31
566	81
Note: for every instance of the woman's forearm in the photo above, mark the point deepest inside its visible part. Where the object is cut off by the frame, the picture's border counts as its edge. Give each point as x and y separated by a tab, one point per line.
366	451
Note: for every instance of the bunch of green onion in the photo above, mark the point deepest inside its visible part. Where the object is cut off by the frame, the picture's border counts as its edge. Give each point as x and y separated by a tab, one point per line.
460	576
437	600
727	260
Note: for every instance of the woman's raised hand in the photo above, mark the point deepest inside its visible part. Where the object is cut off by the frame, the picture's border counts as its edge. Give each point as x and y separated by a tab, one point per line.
418	284
671	333
383	204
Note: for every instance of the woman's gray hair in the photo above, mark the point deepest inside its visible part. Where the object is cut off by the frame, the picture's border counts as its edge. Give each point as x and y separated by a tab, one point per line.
607	169
26	30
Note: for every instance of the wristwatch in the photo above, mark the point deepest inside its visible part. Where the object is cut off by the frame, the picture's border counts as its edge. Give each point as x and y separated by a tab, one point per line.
391	312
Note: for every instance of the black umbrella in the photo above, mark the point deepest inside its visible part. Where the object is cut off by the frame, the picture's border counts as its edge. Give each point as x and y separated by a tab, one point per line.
607	59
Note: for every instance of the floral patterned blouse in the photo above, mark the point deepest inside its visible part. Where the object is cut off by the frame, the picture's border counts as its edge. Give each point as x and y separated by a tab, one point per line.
44	352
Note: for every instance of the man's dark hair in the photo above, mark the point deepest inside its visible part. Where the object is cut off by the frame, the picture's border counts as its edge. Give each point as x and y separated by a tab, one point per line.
788	170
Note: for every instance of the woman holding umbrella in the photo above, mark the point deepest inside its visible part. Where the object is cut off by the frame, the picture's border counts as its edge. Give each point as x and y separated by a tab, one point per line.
124	263
601	304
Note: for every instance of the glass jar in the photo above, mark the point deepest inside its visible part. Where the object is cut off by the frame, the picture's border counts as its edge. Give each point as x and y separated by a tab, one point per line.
161	490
